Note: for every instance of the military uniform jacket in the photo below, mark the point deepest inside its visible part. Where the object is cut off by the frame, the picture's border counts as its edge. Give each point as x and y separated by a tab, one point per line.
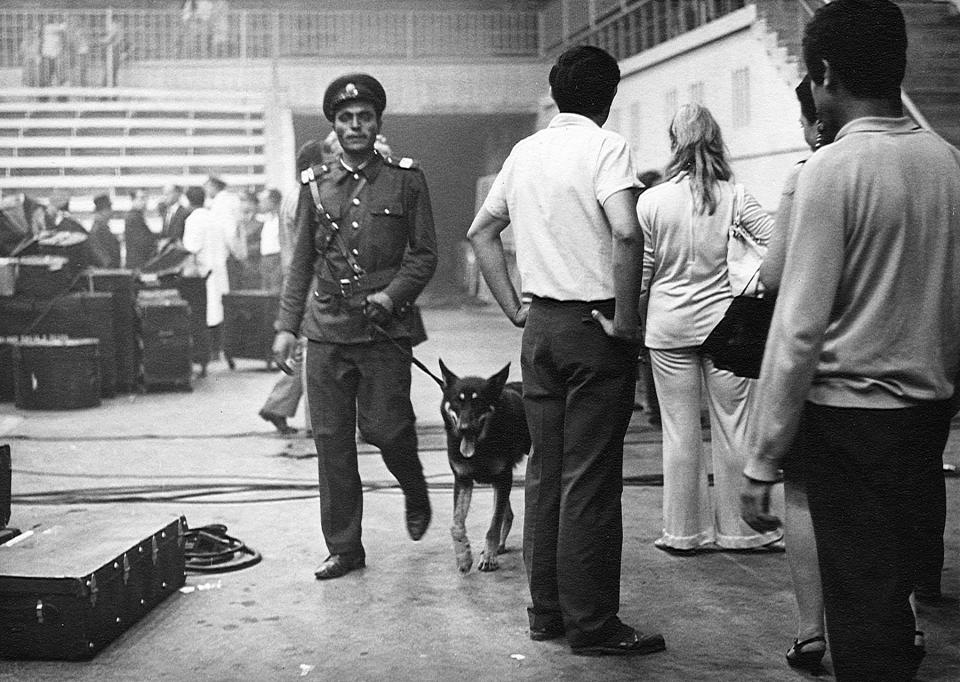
383	214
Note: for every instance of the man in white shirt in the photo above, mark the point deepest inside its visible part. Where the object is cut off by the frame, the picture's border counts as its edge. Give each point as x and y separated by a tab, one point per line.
225	214
202	237
863	351
570	191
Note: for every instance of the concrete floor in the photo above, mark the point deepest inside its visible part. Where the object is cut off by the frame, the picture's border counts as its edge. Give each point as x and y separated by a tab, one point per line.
409	615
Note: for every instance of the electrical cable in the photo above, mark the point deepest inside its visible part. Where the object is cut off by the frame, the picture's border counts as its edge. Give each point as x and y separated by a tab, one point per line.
208	549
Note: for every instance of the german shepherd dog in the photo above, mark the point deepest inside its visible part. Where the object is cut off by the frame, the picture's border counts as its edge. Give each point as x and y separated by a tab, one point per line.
487	436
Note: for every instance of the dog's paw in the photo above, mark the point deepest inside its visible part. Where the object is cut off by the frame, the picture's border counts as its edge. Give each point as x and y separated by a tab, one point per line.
461	550
488	562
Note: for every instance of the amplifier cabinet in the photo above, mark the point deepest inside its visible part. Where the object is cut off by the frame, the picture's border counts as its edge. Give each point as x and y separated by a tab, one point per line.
248	317
121	285
67	591
165	338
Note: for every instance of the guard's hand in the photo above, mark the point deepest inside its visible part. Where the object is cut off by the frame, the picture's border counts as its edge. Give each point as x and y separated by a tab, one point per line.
519	318
755	506
611	329
379	308
284	348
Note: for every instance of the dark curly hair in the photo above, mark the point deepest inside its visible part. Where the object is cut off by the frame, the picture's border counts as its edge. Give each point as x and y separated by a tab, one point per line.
584	80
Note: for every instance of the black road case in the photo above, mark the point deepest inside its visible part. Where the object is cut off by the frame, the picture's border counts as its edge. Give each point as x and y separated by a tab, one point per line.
248	317
68	589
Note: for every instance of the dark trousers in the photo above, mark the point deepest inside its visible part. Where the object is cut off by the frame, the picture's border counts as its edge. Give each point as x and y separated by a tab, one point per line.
872	477
366	386
578	393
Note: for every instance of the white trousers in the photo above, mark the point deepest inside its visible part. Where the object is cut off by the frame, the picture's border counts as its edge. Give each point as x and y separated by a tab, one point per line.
690	517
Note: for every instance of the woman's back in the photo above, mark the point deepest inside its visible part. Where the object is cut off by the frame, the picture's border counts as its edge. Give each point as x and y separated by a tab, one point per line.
685	266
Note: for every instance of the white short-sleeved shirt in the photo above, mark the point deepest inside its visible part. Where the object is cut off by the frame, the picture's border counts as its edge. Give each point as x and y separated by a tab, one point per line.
552	188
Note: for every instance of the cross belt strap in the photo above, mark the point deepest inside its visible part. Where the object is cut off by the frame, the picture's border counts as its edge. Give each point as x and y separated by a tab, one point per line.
360	284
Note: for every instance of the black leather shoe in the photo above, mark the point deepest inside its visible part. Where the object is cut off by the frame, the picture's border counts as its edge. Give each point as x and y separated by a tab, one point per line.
552	629
626	642
279	421
338	565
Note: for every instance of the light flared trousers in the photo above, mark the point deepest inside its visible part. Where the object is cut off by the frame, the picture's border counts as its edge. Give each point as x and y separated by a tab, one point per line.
690	517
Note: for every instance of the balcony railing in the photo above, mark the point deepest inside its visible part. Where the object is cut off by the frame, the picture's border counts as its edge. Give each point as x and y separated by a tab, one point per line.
626	27
85	47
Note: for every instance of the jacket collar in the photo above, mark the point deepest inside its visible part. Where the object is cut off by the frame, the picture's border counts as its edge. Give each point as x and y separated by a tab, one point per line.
878	124
568	119
370	170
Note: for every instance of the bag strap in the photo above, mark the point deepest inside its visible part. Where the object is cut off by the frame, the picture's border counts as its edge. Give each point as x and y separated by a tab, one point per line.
338	239
738	231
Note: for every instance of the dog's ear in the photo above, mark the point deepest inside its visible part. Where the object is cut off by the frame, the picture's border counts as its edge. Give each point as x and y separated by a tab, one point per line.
448	377
495	384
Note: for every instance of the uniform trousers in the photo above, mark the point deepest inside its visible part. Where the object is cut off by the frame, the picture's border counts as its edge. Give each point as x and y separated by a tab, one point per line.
578	395
872	477
288	390
690	518
365	386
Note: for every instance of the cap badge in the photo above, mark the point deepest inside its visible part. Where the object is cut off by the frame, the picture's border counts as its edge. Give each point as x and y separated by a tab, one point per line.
350	90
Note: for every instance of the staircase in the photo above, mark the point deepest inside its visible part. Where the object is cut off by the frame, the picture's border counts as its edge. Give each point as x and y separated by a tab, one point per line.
933	64
932	82
82	142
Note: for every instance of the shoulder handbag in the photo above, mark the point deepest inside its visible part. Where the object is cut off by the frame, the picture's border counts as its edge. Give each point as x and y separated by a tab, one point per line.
736	343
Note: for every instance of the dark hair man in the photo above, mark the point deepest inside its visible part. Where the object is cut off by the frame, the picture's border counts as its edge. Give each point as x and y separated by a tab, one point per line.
864	348
366	237
569	191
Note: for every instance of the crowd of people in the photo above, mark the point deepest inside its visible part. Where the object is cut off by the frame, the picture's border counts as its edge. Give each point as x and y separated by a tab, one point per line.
857	385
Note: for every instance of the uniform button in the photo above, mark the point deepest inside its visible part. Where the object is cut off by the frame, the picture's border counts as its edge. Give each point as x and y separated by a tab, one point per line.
356	201
355	224
356	253
334	226
386	211
327	215
356	176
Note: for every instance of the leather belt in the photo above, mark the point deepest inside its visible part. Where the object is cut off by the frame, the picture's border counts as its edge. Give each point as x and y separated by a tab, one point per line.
359	284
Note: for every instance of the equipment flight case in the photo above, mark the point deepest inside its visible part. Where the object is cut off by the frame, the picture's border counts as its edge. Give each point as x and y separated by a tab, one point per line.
248	317
66	592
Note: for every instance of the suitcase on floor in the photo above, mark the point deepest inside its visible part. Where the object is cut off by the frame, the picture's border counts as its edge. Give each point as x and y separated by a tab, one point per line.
248	317
193	290
76	583
165	339
56	373
121	285
77	315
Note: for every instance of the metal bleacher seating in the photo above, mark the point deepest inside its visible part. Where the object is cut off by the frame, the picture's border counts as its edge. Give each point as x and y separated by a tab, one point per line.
86	141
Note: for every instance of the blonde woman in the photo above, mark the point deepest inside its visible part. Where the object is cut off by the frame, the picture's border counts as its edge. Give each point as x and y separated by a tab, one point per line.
685	222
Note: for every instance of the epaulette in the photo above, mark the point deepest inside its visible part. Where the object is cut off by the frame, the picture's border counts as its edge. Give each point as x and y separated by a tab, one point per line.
312	173
404	162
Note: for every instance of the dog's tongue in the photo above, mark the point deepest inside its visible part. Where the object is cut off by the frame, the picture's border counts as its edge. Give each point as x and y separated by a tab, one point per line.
467	446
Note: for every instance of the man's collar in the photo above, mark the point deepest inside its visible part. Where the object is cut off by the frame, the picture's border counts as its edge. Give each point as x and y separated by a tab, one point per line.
370	169
570	119
878	124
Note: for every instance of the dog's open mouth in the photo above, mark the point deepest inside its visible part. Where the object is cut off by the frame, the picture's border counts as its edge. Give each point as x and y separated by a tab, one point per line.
468	445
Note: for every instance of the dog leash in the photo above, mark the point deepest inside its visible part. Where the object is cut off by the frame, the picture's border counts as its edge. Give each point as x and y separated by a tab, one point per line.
407	353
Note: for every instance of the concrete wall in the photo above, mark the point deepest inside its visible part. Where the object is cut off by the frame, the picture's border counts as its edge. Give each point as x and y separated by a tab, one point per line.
413	87
761	129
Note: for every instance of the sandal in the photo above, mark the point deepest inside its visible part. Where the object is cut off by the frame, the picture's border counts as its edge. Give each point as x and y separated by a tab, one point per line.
806	660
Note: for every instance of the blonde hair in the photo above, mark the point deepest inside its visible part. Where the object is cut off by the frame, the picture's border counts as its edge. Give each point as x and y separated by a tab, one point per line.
698	150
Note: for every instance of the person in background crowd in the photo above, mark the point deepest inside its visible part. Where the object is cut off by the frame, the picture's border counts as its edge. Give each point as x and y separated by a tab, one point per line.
863	353
139	240
368	272
686	222
570	191
173	213
203	238
103	245
51	52
249	229
282	402
225	213
31	58
646	394
271	276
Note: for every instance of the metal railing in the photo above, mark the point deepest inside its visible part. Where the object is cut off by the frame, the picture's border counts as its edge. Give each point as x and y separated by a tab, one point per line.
86	47
626	27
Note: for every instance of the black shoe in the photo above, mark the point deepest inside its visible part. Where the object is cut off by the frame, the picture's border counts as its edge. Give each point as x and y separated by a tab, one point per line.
338	565
279	421
798	656
551	629
626	642
418	516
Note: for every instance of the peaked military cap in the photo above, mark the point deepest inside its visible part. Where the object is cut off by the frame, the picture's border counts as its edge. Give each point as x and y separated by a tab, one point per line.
354	86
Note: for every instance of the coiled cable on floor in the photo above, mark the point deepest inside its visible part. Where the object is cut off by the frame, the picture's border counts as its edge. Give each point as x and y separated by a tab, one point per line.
208	549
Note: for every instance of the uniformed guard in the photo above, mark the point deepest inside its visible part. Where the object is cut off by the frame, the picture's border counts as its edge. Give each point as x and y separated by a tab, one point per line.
367	245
